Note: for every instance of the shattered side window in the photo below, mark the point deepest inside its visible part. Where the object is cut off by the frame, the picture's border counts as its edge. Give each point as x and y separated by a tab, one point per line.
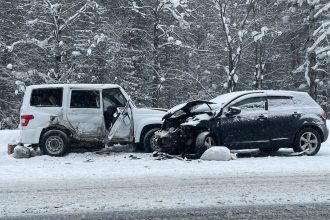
85	99
47	97
113	98
252	104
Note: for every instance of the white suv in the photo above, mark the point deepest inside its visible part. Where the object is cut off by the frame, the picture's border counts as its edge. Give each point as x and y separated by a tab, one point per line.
59	116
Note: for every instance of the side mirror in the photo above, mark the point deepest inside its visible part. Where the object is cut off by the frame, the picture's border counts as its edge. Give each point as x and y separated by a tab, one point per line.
232	110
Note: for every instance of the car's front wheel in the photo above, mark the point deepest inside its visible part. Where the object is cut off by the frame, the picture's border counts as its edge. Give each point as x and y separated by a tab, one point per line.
149	141
203	142
55	143
307	140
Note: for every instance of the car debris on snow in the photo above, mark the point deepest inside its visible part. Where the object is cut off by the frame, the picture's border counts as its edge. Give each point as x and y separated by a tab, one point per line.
21	151
218	153
165	156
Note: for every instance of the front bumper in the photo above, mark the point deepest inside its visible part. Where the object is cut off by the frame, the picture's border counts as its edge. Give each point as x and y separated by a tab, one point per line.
325	132
169	141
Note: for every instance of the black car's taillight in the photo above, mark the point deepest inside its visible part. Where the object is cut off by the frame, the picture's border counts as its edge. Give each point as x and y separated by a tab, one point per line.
324	115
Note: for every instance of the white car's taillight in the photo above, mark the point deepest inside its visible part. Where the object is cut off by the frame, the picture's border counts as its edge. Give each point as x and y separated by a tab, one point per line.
25	119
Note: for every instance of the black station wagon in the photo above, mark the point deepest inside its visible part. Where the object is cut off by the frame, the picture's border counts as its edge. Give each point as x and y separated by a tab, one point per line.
267	120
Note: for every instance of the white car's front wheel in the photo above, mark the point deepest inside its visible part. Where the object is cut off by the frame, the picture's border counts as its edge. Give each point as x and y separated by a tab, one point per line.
149	143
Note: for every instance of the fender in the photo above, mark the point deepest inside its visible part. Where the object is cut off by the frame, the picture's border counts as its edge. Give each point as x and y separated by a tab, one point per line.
143	117
142	123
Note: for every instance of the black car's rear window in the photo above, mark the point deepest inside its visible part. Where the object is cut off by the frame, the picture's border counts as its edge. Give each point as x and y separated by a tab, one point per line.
47	97
279	102
304	100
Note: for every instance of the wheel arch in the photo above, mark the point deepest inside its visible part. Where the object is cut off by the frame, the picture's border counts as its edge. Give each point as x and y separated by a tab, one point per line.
56	127
147	128
312	126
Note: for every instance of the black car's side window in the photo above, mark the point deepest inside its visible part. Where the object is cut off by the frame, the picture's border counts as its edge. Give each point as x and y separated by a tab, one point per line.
252	104
280	102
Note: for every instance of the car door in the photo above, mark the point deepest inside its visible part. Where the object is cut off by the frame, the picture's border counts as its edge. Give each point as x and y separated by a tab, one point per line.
249	128
283	118
117	115
85	114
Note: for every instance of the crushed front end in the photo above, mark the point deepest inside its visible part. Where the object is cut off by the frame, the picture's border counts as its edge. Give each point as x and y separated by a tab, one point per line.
181	126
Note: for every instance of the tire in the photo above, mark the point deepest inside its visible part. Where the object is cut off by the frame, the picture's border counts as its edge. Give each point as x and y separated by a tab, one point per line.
203	145
305	138
55	143
269	150
149	144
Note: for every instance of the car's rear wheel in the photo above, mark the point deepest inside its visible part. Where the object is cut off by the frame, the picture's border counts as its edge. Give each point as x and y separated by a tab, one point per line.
307	140
55	143
149	142
207	142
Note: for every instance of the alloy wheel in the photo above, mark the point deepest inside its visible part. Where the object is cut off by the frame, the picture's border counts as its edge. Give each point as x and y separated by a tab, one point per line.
308	141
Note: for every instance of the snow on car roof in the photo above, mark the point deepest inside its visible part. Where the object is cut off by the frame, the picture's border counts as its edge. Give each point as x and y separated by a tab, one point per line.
89	86
223	99
233	95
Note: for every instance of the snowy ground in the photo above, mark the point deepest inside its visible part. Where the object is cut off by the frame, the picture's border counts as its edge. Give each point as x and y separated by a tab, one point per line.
90	164
124	180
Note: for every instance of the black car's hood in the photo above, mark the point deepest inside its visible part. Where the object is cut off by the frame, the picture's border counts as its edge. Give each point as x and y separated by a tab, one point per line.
186	107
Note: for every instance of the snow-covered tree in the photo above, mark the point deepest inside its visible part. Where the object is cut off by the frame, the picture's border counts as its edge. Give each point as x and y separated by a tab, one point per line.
49	27
164	19
234	17
317	45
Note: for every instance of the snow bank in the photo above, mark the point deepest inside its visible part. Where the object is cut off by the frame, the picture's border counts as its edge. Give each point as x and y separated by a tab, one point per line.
7	137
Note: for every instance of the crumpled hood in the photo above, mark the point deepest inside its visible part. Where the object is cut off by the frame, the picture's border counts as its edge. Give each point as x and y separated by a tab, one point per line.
186	107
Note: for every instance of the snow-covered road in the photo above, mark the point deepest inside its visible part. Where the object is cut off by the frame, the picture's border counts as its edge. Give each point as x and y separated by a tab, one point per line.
90	182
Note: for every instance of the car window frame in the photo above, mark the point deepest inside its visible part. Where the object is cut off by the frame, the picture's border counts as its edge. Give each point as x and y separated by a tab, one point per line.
244	97
82	89
47	106
280	97
120	91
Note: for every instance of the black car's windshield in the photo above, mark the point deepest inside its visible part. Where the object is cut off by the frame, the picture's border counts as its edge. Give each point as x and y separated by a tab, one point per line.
220	101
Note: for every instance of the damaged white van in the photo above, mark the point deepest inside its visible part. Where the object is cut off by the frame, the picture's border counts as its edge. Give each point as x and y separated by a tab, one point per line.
60	116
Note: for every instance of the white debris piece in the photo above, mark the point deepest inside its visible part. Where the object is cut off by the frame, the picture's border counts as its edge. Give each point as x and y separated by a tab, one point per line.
217	153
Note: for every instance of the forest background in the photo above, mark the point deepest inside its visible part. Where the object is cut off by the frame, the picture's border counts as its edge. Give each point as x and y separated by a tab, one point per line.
164	52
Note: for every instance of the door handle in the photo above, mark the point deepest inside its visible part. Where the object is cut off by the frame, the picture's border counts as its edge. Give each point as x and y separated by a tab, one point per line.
261	117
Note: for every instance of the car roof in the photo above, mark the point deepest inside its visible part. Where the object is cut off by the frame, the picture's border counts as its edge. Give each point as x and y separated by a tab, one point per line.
269	92
86	86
